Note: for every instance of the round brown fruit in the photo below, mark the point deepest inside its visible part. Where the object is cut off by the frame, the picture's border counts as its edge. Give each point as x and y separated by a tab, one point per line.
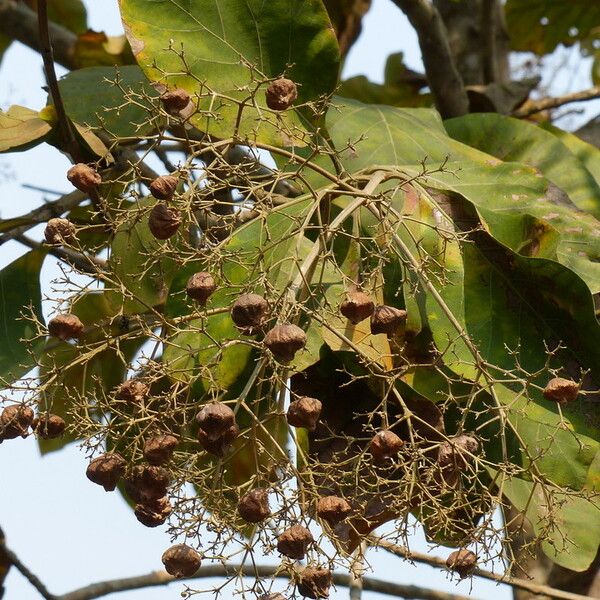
175	100
65	327
281	93
294	542
357	307
181	561
134	391
218	428
163	221
387	319
15	421
159	449
249	312
153	513
385	445
106	470
333	509
284	341
84	177
49	426
561	390
462	562
200	287
304	412
253	506
315	582
163	187
59	232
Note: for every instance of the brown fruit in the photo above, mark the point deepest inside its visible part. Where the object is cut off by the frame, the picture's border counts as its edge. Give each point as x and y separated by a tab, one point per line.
218	428
454	455
304	412
146	484
357	307
249	312
294	542
59	232
49	426
175	100
181	561
385	445
164	187
164	221
65	327
561	390
387	319
159	449
462	561
254	507
284	341
281	94
333	509
15	421
106	470
200	286
315	582
84	177
133	391
155	513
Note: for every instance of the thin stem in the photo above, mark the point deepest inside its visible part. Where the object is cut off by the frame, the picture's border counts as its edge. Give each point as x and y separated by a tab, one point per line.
548	103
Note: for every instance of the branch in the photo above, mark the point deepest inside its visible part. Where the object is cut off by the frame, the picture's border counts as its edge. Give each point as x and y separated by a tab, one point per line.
33	579
489	10
42	214
548	103
90	265
444	79
514	582
19	22
158	578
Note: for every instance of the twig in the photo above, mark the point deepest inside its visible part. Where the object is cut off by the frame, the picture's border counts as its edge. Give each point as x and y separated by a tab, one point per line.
357	571
444	79
158	578
41	214
31	577
90	265
514	582
19	22
71	145
548	103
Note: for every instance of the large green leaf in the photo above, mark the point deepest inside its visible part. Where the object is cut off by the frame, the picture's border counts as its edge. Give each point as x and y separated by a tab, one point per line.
21	128
227	47
541	25
19	293
96	96
514	140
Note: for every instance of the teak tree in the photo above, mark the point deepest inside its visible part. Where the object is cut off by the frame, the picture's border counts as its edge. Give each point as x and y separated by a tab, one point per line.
337	305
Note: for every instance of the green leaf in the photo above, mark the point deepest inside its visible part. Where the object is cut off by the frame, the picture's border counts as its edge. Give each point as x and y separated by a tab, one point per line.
133	259
571	523
19	293
220	41
541	25
71	14
21	128
514	140
96	97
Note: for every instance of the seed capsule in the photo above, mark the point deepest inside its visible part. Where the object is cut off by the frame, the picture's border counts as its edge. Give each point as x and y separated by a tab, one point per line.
357	307
284	341
387	319
164	187
159	449
454	456
249	312
155	513
181	561
281	94
163	221
561	390
254	507
59	232
200	287
385	445
333	509
65	327
315	582
106	470
218	428
304	412
294	542
49	427
462	561
175	100
84	177
147	483
134	391
15	421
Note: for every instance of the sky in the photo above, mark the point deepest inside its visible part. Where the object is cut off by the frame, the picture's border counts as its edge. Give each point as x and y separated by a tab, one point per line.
65	529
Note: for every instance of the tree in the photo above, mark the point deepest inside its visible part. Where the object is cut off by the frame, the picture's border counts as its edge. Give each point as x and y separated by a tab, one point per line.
323	313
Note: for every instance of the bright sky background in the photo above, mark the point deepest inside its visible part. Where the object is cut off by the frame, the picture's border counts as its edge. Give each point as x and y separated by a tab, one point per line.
67	530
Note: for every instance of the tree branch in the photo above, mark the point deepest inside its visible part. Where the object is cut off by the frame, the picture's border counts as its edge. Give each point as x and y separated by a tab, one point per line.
19	22
548	103
514	582
158	578
444	79
489	34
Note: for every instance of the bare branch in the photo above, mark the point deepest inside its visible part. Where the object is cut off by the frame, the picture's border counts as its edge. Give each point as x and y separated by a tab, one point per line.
548	103
19	22
444	79
158	578
514	582
489	11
